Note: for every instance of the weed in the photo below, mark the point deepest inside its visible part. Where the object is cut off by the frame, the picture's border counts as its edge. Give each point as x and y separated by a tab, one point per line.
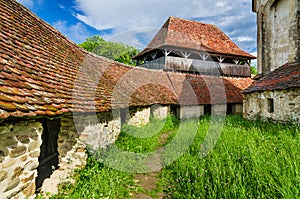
252	159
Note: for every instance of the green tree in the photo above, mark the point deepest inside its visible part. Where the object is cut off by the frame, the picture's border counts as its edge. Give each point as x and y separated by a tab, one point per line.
91	43
112	50
253	70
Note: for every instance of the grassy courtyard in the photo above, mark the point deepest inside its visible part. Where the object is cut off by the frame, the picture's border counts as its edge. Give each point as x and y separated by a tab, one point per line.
250	159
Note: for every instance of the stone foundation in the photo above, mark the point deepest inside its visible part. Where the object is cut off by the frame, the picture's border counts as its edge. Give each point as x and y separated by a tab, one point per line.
19	151
160	112
138	116
237	108
219	109
100	133
286	105
96	130
187	112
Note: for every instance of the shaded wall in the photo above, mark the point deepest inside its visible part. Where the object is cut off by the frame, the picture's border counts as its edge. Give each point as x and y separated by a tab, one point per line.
281	105
278	33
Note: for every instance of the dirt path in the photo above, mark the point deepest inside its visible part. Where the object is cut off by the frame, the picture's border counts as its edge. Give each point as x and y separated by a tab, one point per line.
149	181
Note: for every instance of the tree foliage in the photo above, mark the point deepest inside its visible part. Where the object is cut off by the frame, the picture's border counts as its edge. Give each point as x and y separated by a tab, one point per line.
253	70
112	50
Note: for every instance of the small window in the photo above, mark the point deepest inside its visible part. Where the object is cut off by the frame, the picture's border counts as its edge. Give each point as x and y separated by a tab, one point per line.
270	105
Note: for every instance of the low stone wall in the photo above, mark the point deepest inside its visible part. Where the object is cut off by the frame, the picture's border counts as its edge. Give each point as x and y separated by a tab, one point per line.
286	105
237	108
70	156
218	109
160	112
19	151
187	112
138	116
100	133
96	130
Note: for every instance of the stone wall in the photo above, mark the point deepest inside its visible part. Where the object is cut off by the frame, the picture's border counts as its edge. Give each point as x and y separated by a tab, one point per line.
160	112
19	151
187	112
100	133
278	33
286	105
138	116
217	109
96	130
237	108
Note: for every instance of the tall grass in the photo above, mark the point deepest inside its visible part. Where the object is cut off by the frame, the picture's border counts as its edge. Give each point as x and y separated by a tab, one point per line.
145	139
252	159
97	180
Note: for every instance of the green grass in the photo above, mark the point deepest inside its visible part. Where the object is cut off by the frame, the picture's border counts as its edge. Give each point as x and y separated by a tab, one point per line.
97	180
145	139
251	159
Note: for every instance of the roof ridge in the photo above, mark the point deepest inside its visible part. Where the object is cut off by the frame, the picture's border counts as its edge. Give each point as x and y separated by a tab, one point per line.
191	20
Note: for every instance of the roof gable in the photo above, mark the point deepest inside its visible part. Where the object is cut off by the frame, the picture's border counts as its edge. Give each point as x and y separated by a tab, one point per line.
195	36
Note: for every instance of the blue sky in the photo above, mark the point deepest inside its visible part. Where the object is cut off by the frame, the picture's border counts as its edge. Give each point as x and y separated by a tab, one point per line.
135	22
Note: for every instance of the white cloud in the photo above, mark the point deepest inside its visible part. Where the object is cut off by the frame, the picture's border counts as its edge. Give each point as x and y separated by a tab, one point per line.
138	37
245	38
30	3
62	6
254	61
76	32
126	15
27	3
234	17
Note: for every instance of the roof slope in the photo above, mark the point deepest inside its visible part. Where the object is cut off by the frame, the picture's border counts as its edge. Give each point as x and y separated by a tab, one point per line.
284	77
181	33
43	73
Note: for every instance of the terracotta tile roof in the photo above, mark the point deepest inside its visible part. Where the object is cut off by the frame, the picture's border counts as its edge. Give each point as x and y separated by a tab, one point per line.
195	89
284	77
143	87
43	73
180	33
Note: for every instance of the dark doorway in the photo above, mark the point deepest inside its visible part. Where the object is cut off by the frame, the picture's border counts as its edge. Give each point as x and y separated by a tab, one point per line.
48	160
174	110
207	109
229	110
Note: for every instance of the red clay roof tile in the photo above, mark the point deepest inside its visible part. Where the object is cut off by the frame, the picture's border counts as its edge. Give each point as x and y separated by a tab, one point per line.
43	73
192	35
284	77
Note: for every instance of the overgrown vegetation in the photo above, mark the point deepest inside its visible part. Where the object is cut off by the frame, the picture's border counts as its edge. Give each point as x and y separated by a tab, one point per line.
251	159
97	180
